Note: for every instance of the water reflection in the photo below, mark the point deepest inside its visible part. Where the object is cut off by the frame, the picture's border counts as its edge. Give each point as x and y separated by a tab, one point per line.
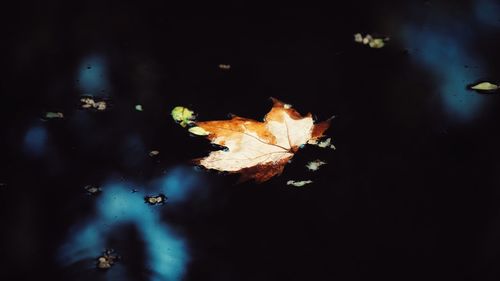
92	76
443	52
166	251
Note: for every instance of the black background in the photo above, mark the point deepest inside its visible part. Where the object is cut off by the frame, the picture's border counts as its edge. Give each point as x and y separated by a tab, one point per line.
409	194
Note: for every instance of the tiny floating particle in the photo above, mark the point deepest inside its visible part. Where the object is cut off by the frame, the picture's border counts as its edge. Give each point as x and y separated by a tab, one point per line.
153	153
92	190
107	259
159	199
298	183
314	165
53	115
225	66
138	107
484	87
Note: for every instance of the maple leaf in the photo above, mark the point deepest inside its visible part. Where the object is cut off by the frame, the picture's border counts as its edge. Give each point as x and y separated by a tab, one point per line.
259	150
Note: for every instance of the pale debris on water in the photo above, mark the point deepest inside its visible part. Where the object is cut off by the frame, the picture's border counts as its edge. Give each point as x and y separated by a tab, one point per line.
107	259
182	115
371	41
199	131
323	144
484	87
159	199
153	153
298	183
225	66
88	102
314	165
92	190
53	115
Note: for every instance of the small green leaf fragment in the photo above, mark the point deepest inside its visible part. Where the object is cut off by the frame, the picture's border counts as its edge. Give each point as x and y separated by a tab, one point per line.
485	86
183	115
199	131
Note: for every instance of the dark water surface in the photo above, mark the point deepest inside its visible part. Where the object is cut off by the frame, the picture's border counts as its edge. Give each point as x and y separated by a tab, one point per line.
411	193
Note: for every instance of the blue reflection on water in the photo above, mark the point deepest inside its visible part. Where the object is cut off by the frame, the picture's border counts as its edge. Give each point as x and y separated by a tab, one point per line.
92	76
167	253
179	184
442	51
35	141
488	12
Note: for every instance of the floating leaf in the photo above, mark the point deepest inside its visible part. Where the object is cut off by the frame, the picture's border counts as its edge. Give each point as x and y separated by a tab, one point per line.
298	183
159	199
484	86
259	150
314	165
138	107
183	115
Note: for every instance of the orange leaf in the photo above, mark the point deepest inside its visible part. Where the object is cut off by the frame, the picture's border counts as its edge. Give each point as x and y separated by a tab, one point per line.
259	150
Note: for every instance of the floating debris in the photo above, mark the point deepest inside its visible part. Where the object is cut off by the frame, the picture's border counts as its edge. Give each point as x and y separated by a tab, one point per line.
314	165
134	190
199	131
107	260
371	41
298	183
89	102
182	115
225	66
323	144
154	153
138	107
484	87
159	199
92	190
52	115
